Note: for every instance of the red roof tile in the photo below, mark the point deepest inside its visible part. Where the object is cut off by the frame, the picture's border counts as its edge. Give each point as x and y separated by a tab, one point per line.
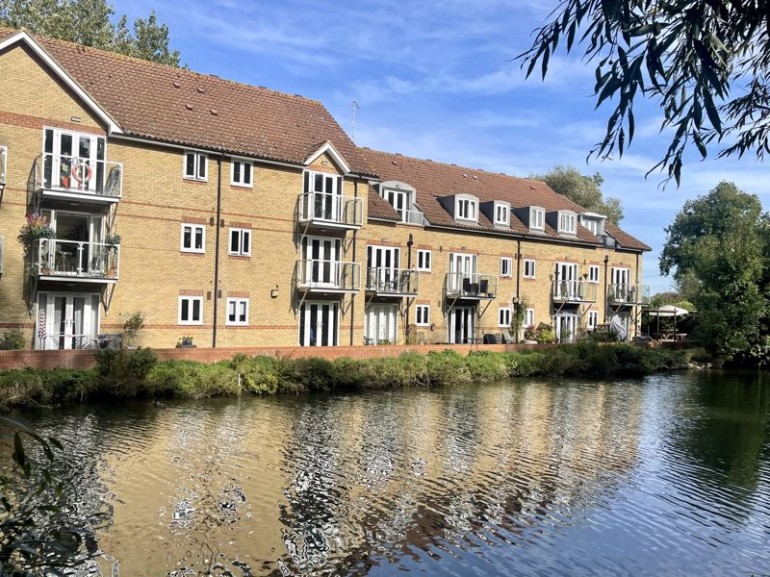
434	180
174	105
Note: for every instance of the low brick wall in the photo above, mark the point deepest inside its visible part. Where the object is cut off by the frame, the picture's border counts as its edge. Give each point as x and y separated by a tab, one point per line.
84	359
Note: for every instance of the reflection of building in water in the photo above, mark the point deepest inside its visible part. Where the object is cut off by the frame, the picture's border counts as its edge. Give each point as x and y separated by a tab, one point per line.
296	486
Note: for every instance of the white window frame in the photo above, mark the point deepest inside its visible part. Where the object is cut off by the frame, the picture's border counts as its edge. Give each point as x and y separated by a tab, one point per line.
592	320
190	300
425	320
567	222
243	163
237	303
591	224
201	161
506	266
593	273
502	214
422	256
529	317
504	317
193	228
529	262
244	238
536	218
467	208
3	163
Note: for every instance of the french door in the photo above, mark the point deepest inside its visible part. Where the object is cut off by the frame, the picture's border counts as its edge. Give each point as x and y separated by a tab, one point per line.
381	324
318	324
67	321
462	269
620	288
322	261
382	267
566	326
73	160
77	245
462	325
326	192
566	275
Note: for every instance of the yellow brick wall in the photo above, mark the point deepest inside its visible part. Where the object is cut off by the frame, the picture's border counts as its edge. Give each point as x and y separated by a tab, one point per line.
489	250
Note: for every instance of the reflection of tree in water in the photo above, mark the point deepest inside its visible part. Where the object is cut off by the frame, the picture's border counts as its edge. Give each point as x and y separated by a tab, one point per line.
725	432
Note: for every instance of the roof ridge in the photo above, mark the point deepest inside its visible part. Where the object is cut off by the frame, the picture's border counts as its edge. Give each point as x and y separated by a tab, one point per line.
450	165
143	62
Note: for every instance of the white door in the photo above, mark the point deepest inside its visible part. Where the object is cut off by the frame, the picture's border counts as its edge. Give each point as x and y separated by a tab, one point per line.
462	324
382	267
566	325
462	269
322	261
73	160
566	275
620	283
318	324
326	191
381	324
67	321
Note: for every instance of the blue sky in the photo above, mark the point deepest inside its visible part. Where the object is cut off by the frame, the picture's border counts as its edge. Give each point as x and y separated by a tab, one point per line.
437	80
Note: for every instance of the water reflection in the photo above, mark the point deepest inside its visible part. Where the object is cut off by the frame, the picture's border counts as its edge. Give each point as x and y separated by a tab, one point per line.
531	478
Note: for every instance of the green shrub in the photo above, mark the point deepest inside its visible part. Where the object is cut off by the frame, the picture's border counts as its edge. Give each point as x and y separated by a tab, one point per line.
446	368
485	366
123	371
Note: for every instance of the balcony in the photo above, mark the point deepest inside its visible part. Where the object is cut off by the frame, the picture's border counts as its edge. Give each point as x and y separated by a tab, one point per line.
573	291
629	294
413	216
71	260
467	285
328	210
326	276
73	179
394	282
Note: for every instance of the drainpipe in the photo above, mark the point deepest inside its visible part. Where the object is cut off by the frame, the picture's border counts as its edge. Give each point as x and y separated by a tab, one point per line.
518	268
353	296
638	293
409	244
216	251
606	284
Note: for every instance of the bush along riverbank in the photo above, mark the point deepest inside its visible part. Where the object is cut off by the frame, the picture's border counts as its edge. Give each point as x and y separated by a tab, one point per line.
122	373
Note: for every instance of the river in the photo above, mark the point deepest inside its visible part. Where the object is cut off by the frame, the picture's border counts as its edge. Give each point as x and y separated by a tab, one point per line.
664	476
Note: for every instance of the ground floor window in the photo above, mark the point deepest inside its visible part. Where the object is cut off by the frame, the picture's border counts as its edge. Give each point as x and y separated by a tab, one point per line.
381	324
67	321
237	311
318	324
422	317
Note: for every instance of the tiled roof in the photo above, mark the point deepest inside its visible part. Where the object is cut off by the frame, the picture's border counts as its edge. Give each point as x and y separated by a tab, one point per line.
380	208
625	240
434	180
174	105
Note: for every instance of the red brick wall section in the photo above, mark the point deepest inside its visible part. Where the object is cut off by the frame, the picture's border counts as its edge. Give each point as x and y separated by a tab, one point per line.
84	359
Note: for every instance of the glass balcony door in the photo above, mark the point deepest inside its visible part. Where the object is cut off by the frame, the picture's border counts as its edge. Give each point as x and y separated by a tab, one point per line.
322	261
382	267
73	161
566	277
67	321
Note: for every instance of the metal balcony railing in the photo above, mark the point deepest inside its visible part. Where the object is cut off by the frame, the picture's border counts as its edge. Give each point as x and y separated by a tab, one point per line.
72	175
636	294
573	291
470	285
330	209
326	275
70	258
392	281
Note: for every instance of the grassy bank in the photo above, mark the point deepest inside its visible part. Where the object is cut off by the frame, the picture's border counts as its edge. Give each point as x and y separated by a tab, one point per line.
131	374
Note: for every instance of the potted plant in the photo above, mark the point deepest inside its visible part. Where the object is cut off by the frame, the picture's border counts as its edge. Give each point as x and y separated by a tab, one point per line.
185	342
112	240
530	335
35	228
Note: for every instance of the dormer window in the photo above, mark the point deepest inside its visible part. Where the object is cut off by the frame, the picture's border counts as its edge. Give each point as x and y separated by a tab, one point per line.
593	222
567	222
402	197
536	218
502	214
467	208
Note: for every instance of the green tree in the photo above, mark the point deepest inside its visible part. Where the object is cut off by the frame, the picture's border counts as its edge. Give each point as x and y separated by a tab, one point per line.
583	189
89	22
720	239
687	56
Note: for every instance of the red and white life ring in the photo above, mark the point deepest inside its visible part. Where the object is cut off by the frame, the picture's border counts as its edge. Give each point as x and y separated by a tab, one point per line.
82	172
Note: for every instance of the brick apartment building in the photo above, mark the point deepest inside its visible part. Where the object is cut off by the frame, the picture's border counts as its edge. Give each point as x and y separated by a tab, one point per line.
247	217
